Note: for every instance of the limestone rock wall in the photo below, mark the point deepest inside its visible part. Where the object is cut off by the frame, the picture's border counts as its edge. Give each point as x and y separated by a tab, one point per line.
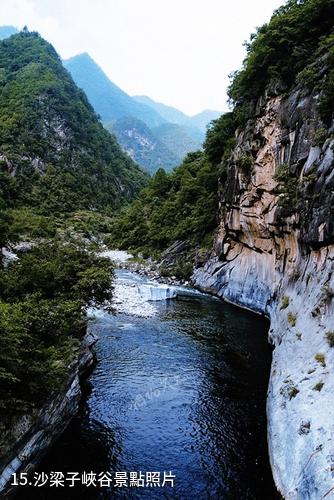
274	254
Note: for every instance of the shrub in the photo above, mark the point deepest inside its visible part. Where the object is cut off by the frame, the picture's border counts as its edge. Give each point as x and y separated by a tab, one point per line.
318	386
43	300
287	187
297	35
330	338
320	358
326	102
245	162
220	138
293	391
292	319
319	137
295	275
285	302
307	77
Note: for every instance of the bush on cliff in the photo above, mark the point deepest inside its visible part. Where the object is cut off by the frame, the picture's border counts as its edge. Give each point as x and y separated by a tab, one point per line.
280	50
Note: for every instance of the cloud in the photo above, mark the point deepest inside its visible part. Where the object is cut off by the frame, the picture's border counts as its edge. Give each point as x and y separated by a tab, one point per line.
176	52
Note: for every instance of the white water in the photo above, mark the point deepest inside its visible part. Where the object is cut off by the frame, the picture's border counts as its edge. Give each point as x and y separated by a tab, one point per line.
134	294
154	291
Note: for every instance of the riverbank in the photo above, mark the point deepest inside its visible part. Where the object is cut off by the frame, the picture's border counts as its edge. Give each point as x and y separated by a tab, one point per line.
34	433
181	389
143	267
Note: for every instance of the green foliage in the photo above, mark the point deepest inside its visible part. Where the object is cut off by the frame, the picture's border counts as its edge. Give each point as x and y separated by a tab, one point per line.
87	223
245	162
182	270
63	157
282	49
145	147
26	223
180	140
330	338
307	77
220	138
4	230
43	300
292	392
54	269
326	102
292	318
318	386
320	358
181	205
288	187
319	137
285	302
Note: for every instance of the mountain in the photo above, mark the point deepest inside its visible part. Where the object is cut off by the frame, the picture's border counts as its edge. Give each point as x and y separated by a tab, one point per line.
7	31
108	100
202	120
169	113
142	145
173	115
55	154
135	124
177	139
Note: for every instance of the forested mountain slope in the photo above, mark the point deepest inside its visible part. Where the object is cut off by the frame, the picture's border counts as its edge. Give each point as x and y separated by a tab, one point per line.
135	124
56	158
55	154
142	145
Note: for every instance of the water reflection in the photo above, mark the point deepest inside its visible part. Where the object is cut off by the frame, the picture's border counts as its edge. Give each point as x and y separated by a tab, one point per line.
184	391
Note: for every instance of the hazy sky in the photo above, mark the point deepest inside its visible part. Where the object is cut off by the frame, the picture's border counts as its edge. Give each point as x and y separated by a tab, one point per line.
179	52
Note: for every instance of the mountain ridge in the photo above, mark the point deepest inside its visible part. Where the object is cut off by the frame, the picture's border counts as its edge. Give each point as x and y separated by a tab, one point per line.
109	101
135	124
174	115
53	147
142	144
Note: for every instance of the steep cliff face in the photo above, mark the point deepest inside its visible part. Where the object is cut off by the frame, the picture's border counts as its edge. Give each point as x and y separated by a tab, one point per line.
274	254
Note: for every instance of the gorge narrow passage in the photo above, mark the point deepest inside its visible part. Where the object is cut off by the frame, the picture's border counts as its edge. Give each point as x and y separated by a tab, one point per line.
179	385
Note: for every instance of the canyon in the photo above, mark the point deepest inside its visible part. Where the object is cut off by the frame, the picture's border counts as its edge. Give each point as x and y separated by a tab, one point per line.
277	259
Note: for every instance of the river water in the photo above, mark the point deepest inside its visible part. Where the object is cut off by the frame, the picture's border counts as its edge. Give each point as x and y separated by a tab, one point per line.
179	386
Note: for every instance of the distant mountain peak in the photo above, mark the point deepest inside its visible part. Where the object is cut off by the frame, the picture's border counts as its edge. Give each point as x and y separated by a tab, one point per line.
147	135
82	55
7	31
108	100
174	115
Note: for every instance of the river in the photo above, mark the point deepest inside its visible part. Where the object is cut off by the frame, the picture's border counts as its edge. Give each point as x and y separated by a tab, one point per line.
179	386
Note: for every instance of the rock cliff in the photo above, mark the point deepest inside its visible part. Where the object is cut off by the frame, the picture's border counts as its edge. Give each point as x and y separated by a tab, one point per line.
274	254
29	440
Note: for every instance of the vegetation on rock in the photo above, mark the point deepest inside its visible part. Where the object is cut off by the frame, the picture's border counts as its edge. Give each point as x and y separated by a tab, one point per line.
298	34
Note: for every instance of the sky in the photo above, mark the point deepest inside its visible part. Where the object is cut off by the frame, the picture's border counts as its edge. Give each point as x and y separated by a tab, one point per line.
179	52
